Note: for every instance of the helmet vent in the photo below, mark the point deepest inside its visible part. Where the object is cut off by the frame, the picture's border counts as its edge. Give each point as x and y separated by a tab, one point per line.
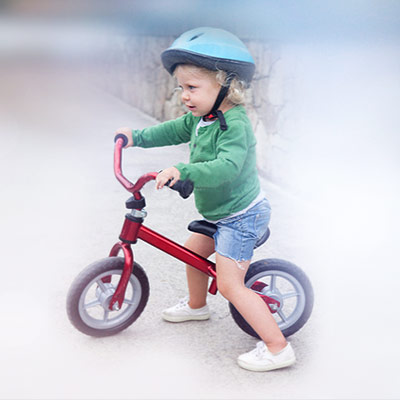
196	36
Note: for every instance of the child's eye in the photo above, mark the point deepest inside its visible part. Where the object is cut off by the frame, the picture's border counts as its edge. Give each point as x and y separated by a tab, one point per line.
191	87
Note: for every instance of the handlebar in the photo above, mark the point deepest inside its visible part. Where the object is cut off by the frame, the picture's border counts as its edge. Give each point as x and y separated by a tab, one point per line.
123	137
184	188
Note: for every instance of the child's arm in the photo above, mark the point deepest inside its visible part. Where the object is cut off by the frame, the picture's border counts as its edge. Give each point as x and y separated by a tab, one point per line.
165	134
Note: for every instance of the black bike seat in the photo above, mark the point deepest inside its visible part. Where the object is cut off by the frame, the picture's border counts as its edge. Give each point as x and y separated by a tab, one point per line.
209	229
203	227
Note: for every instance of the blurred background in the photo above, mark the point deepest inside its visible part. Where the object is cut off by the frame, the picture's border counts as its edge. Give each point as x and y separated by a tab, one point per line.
324	106
117	48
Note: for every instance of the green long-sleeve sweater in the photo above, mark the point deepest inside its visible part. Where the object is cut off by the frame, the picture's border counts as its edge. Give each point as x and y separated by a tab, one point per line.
222	163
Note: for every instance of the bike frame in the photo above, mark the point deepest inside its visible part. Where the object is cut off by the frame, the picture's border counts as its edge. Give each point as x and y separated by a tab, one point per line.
133	229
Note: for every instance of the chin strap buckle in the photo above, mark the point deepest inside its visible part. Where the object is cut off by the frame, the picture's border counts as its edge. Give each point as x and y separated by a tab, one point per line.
217	114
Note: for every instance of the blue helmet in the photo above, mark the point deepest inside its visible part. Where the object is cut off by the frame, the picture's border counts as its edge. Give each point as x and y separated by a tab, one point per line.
211	48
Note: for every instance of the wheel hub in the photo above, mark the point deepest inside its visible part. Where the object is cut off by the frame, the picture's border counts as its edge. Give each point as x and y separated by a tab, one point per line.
105	296
276	297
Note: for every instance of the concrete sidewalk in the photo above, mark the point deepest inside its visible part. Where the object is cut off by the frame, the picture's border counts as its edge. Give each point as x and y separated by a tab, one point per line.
63	209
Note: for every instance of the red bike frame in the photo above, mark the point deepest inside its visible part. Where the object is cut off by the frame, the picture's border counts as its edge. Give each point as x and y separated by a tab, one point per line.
133	229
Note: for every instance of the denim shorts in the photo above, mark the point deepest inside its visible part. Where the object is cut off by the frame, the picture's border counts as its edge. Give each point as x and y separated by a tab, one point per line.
236	236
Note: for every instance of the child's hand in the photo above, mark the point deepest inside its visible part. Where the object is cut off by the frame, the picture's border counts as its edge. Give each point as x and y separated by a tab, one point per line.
164	176
128	133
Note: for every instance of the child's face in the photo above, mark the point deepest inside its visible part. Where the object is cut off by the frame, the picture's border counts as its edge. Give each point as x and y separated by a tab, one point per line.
199	89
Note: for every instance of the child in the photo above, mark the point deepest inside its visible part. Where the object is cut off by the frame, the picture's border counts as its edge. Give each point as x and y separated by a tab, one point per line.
213	67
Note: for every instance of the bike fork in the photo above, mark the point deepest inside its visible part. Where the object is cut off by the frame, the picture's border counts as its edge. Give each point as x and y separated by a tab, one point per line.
119	295
129	234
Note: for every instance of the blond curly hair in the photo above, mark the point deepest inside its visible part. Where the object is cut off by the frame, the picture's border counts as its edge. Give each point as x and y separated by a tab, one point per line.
237	89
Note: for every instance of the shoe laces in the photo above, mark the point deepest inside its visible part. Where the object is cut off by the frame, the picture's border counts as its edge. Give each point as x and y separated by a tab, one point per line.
261	350
182	303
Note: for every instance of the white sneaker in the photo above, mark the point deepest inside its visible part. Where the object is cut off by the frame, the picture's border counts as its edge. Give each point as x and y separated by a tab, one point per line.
261	359
182	312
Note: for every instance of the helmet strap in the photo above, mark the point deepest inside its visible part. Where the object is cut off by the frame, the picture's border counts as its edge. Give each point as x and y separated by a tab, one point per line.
215	113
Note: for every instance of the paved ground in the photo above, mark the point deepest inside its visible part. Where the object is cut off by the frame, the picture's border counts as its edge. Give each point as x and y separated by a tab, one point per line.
62	209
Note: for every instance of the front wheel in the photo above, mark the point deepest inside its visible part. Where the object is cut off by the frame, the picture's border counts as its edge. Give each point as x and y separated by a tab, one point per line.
92	290
286	283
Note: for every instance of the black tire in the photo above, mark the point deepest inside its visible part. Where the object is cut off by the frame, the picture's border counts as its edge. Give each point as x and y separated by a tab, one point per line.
85	292
295	309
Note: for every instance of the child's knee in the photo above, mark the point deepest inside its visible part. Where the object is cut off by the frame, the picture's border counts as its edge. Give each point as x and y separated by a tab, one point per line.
229	289
225	290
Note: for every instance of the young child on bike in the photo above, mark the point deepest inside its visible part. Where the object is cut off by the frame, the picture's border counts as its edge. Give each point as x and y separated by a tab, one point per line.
213	68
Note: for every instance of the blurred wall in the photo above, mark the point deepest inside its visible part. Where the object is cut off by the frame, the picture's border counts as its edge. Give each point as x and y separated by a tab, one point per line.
120	44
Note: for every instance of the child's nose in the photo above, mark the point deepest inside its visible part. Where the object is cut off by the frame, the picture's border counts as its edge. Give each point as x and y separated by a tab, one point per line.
185	95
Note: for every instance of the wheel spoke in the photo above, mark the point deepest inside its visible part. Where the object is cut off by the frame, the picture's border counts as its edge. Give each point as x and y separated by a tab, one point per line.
273	283
105	317
127	301
282	315
93	303
289	295
101	285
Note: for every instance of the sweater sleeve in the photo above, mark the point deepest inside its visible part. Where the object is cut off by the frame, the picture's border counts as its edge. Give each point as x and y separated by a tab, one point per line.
167	133
231	149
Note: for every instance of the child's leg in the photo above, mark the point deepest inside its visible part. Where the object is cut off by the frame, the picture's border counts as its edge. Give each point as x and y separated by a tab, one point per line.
253	309
198	281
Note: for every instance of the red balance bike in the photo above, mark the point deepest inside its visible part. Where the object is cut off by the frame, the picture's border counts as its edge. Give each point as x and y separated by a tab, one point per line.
110	294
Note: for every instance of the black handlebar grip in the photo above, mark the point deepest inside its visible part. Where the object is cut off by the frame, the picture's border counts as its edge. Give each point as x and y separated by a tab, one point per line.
123	137
184	188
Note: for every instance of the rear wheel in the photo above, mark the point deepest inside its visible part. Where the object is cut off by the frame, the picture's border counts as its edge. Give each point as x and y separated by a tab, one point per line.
92	290
286	283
